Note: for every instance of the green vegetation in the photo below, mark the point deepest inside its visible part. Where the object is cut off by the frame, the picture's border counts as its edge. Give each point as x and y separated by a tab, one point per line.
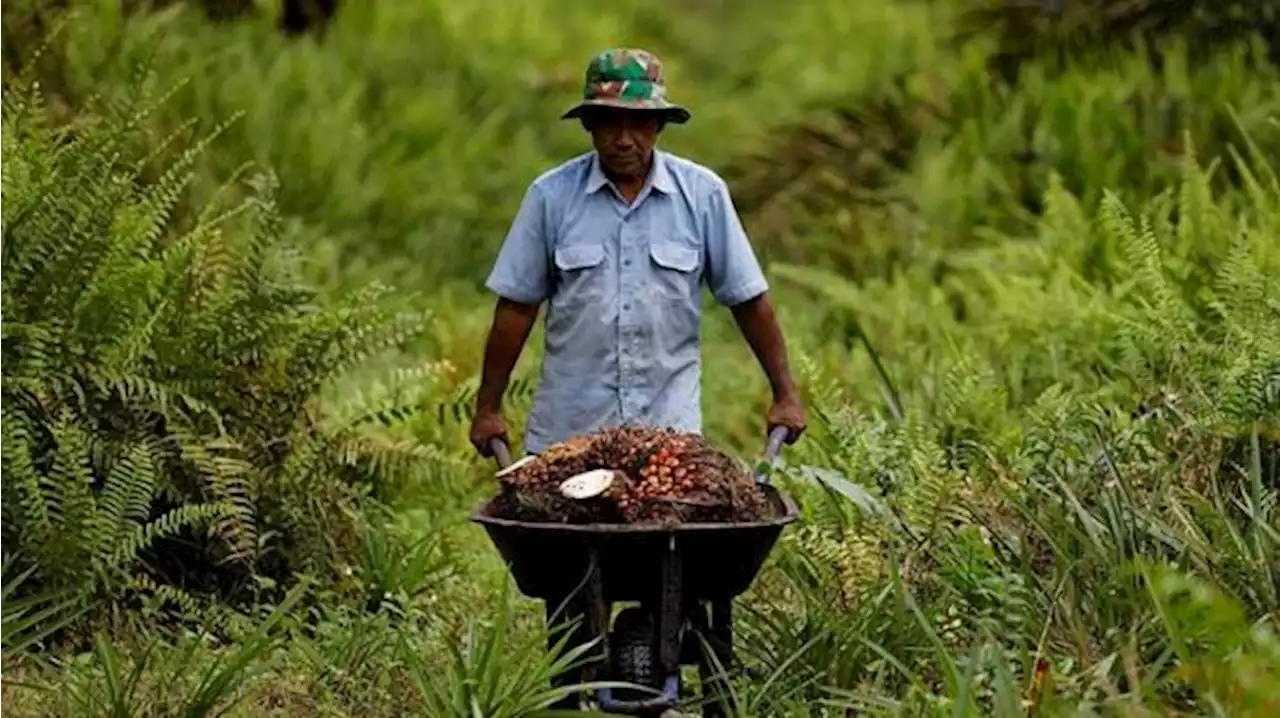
1036	317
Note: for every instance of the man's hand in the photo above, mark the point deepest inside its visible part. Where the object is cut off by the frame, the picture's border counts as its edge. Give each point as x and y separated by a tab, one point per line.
512	322
787	411
485	427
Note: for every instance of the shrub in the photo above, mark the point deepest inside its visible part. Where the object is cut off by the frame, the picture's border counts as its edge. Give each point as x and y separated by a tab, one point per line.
999	529
162	429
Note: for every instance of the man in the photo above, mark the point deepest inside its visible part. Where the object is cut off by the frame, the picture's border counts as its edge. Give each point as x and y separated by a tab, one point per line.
618	243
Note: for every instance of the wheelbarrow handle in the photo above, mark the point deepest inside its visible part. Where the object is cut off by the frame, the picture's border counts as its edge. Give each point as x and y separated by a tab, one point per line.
500	452
777	435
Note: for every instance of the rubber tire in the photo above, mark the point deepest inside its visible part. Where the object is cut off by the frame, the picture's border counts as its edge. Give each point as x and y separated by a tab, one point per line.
631	653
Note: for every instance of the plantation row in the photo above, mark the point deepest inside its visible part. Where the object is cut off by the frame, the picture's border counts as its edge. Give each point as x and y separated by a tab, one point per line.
1036	320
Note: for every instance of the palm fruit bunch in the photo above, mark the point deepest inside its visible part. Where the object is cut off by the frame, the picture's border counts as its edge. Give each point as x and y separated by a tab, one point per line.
658	476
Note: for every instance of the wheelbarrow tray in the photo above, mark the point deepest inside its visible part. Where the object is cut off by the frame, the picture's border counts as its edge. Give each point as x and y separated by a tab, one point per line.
719	561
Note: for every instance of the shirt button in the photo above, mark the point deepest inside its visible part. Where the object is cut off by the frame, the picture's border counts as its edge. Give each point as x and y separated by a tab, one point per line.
626	262
626	307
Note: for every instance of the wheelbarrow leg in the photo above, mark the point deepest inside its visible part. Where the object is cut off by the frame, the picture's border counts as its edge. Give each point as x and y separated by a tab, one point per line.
590	610
670	610
715	693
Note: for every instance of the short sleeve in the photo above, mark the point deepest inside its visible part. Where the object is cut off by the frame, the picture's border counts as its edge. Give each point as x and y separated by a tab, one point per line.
521	271
733	272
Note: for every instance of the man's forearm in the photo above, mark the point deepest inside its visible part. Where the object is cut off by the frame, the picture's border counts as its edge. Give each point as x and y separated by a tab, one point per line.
512	323
759	326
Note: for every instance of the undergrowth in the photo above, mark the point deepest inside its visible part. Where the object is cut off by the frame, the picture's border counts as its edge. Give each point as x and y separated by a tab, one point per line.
163	440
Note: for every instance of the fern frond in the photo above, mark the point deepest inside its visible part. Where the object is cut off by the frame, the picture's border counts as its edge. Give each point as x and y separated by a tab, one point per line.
229	480
165	526
22	480
1199	218
382	455
233	484
187	604
124	503
68	485
162	196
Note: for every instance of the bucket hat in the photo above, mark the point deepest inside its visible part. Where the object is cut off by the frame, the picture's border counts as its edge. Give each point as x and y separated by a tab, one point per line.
630	79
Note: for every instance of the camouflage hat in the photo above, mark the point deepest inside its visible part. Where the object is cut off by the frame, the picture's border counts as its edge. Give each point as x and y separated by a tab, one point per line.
627	78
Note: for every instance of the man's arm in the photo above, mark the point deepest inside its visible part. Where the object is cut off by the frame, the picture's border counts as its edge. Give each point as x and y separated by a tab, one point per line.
512	322
759	326
735	277
521	279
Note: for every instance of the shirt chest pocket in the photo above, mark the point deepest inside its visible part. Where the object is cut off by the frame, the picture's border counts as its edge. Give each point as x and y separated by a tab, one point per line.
580	274
674	266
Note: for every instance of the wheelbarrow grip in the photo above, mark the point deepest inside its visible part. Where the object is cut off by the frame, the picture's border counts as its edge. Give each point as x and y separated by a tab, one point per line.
500	452
777	435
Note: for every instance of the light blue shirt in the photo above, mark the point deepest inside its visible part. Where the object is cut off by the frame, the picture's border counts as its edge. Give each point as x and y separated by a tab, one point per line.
624	291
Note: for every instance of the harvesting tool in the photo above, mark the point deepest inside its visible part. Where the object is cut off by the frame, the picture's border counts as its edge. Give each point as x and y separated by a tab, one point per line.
680	582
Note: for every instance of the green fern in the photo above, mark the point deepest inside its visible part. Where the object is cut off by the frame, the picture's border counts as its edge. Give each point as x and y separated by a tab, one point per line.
164	373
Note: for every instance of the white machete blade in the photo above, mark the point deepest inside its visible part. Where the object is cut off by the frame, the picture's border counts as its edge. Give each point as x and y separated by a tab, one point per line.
511	468
587	485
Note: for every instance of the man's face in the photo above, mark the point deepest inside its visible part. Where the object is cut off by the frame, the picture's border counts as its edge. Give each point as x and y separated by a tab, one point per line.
624	139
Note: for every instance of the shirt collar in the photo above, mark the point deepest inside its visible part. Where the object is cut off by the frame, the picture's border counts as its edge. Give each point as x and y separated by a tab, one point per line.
659	175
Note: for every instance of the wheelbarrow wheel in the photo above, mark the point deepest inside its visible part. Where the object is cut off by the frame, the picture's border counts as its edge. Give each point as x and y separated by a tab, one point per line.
632	656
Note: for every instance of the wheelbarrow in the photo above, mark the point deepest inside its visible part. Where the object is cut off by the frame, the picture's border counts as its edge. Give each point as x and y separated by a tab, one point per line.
684	579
